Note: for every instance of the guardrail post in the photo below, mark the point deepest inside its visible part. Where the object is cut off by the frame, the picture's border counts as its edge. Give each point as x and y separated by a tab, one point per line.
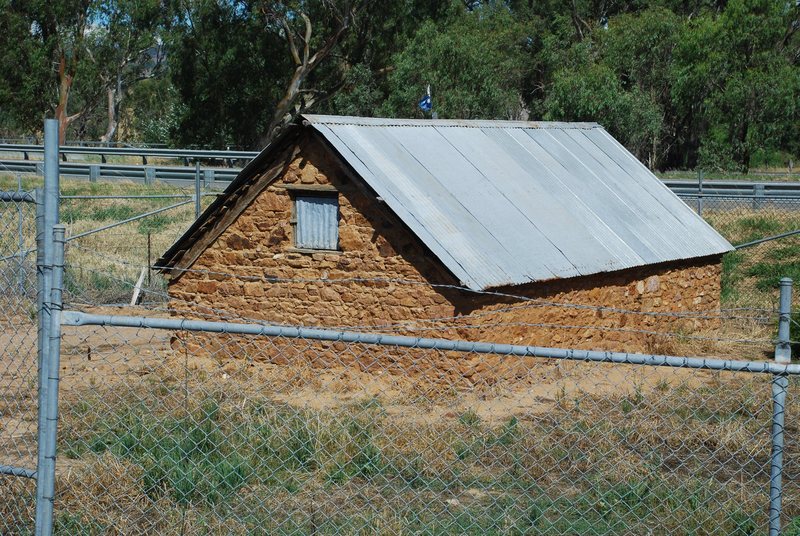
149	175
46	219
94	172
780	384
700	193
208	178
758	195
197	205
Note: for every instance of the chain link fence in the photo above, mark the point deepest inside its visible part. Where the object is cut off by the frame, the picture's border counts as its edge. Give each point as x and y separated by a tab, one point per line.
751	274
18	363
243	429
196	432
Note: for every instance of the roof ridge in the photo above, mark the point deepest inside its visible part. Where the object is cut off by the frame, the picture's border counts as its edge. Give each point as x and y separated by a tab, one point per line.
445	123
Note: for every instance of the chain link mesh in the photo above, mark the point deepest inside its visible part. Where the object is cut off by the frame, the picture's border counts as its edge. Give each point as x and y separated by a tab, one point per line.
196	433
18	362
751	274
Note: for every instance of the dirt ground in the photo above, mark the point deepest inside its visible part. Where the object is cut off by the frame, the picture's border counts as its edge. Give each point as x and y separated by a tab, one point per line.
96	357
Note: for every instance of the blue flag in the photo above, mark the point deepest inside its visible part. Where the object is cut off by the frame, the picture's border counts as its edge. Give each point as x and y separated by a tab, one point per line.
425	103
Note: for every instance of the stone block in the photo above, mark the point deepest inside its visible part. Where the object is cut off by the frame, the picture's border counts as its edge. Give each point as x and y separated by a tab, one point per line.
207	287
254	289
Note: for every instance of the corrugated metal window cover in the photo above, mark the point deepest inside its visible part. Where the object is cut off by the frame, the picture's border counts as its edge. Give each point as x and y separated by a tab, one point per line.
317	222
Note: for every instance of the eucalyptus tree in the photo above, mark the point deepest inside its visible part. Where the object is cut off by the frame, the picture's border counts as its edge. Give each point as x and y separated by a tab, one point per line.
74	55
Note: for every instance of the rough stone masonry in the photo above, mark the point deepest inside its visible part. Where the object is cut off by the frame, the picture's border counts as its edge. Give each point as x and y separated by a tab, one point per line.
380	279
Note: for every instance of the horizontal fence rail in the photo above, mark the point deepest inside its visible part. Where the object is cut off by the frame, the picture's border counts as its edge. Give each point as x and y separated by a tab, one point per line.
75	318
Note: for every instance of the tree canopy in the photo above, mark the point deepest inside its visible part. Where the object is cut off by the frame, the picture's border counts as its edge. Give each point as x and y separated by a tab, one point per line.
682	84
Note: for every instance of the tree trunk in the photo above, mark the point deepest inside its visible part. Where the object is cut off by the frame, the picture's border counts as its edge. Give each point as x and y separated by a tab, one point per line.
744	148
305	63
65	79
279	118
111	129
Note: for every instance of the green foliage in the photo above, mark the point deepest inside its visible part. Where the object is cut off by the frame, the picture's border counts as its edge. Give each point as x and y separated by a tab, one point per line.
619	78
793	528
73	53
228	71
361	94
708	84
474	62
469	418
729	76
154	223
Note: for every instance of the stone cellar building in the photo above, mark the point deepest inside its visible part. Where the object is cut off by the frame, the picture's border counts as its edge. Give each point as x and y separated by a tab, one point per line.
549	234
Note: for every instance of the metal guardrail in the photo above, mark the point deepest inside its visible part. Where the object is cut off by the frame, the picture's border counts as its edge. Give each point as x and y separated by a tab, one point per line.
210	175
137	173
140	152
712	188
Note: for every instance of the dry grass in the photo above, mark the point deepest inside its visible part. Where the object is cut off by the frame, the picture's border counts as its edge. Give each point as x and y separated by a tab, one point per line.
219	445
103	267
155	439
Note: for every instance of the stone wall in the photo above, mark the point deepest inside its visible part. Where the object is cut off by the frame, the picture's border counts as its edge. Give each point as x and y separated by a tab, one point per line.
379	280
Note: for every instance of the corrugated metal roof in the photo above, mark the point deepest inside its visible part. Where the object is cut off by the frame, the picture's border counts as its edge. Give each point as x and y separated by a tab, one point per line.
513	202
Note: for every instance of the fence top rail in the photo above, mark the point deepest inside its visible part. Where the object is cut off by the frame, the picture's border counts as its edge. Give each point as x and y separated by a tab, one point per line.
18	197
76	318
767	239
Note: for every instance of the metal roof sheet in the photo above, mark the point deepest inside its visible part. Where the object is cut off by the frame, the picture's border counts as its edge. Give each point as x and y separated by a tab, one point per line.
512	202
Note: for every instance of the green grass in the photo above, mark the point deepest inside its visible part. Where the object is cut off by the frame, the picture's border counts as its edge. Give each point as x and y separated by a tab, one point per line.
83	210
750	276
769	274
67	524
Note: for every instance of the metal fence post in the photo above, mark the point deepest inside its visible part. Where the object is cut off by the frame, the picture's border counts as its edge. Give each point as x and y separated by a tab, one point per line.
196	189
780	383
48	476
208	178
47	218
43	338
